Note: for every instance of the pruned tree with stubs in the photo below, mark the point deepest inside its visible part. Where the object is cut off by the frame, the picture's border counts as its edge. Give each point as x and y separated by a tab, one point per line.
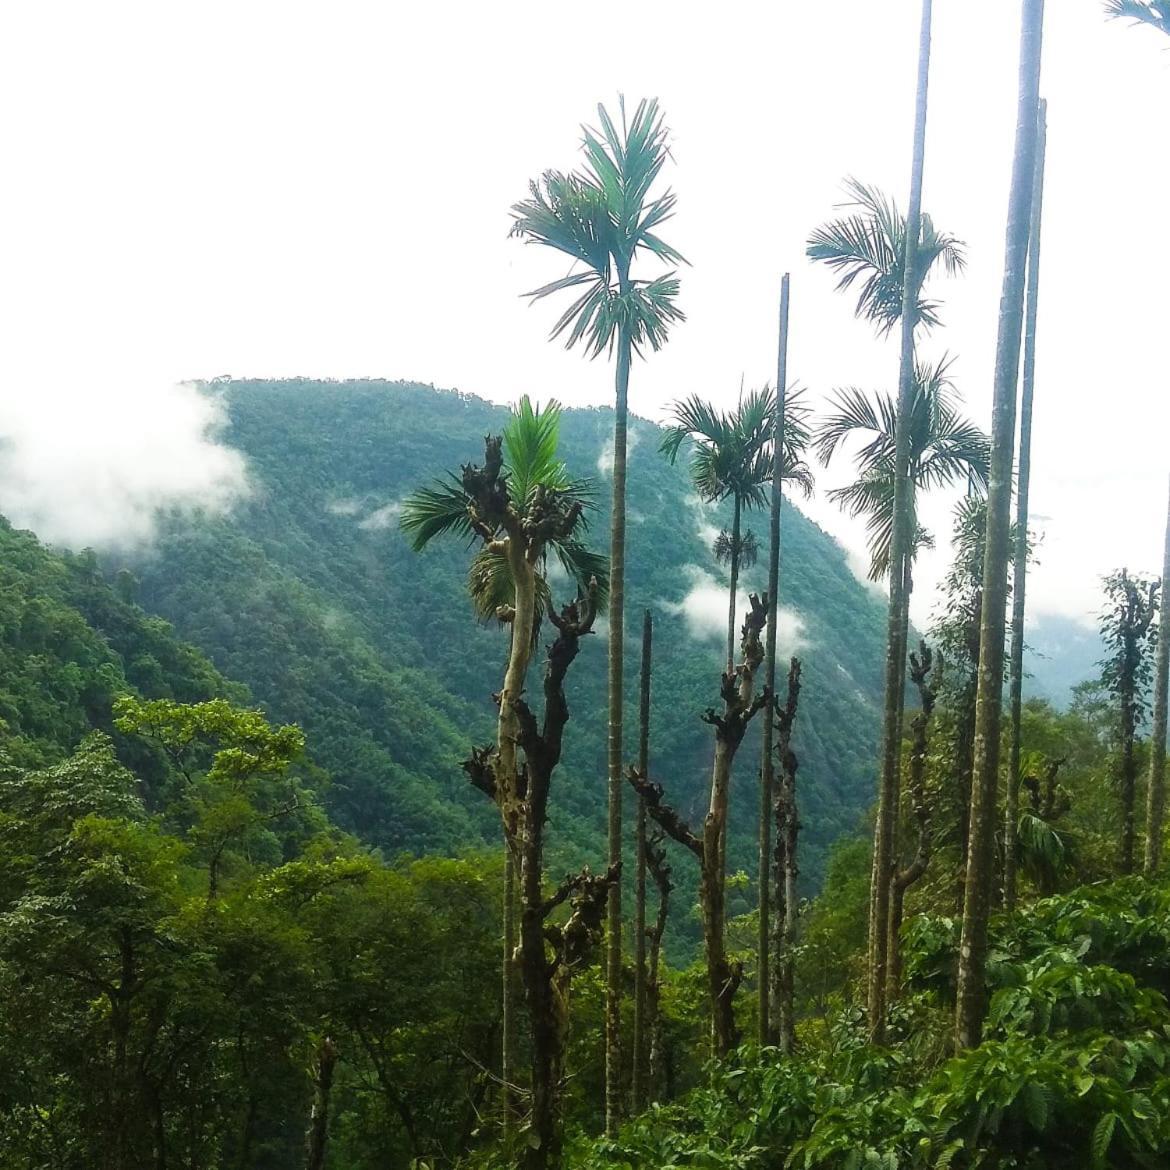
741	704
522	505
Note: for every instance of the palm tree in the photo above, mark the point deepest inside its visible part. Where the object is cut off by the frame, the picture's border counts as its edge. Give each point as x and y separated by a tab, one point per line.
869	246
880	248
1020	541
603	218
521	505
971	996
732	456
1155	13
945	449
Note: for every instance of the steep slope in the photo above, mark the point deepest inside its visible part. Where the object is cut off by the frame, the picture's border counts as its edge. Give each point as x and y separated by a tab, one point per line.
310	595
70	644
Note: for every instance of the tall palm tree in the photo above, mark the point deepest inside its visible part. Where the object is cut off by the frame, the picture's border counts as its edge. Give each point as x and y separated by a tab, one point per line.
970	1000
732	457
945	449
529	478
603	218
870	246
1020	539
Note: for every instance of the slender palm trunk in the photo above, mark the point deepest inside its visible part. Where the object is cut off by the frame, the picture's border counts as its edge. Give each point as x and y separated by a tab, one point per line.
736	524
508	998
1156	792
885	829
1020	556
767	783
617	581
638	1077
972	992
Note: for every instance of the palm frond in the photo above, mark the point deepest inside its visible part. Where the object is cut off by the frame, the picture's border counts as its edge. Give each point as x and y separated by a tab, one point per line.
868	245
434	511
492	588
584	566
1155	13
531	436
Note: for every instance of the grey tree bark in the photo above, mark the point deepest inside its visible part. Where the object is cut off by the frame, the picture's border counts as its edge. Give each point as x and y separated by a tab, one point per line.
1023	484
885	829
972	993
763	946
640	1053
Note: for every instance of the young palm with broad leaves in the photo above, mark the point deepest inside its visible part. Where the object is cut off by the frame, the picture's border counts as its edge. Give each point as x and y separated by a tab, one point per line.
604	218
522	505
731	456
892	256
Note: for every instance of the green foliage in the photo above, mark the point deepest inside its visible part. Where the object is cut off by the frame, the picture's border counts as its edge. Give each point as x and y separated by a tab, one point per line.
310	595
1073	1072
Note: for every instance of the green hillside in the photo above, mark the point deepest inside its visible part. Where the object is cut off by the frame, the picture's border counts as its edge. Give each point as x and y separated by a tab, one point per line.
310	596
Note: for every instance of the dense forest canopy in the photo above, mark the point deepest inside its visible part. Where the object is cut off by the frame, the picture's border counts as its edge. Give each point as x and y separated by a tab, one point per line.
349	823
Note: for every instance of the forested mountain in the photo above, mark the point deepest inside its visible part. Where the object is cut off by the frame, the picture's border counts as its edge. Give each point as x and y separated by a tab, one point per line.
309	594
70	644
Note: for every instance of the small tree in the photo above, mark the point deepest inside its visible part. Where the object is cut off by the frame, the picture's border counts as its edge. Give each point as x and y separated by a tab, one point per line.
1128	630
740	706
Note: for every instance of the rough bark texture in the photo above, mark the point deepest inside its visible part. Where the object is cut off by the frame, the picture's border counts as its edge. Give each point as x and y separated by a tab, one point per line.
763	944
740	705
318	1136
617	601
736	526
660	872
921	666
972	992
785	870
638	1076
1023	482
885	829
1156	792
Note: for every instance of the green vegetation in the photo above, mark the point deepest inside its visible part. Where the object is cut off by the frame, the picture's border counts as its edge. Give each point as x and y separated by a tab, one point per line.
311	596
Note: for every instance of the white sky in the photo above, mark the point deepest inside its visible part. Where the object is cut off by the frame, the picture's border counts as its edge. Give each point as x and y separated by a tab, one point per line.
323	189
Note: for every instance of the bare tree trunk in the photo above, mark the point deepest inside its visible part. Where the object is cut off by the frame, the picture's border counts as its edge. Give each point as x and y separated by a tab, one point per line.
920	668
638	1077
736	524
1020	558
617	601
763	944
508	998
786	869
660	871
1156	793
885	829
318	1135
971	999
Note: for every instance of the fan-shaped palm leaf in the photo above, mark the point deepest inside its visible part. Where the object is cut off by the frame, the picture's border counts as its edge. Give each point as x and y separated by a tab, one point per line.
869	246
1155	13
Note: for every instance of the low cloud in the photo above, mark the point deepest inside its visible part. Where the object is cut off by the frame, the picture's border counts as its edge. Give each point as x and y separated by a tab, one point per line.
92	464
344	507
704	609
605	459
381	518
